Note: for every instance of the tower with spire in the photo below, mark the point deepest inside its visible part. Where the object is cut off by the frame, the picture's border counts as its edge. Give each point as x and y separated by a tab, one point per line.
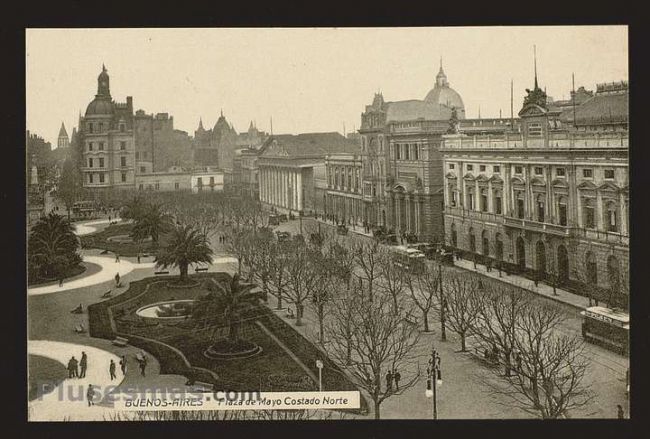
63	141
441	78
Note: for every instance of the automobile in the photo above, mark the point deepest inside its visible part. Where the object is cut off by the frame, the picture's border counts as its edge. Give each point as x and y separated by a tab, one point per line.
283	236
274	220
342	230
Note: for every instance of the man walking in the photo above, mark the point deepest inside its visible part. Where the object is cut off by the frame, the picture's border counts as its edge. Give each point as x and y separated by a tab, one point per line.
117	279
70	368
138	258
90	393
117	257
143	364
389	381
123	364
75	367
111	370
83	363
396	378
61	282
621	413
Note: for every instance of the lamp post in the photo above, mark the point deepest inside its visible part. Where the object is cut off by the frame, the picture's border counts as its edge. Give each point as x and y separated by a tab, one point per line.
434	379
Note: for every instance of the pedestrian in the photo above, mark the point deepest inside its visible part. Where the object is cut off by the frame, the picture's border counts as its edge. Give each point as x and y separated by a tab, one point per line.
621	413
75	367
123	364
111	370
90	394
61	282
396	377
70	368
138	258
109	218
389	381
117	279
143	364
117	257
536	280
83	363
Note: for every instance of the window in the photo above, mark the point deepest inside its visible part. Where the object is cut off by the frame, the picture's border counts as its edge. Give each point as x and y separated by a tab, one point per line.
612	217
176	186
90	162
453	198
484	200
497	202
157	187
540	208
143	169
609	174
496	169
452	166
397	151
519	169
470	167
101	146
140	187
122	145
481	168
101	162
416	152
211	181
587	173
539	170
137	155
90	178
588	212
90	127
470	199
122	127
101	127
520	204
561	210
560	172
535	129
123	177
406	151
123	161
101	177
146	154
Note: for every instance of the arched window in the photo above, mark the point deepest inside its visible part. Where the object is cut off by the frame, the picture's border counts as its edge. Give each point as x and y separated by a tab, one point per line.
562	210
540	204
611	216
588	213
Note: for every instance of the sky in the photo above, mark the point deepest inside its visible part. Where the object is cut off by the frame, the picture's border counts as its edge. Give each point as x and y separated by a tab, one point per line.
306	79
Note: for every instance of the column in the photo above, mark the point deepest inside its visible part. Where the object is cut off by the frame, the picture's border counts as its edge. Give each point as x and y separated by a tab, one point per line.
299	187
599	211
622	220
417	216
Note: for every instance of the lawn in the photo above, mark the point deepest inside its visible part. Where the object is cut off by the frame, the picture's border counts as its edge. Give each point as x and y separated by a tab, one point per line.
101	240
71	272
271	370
44	375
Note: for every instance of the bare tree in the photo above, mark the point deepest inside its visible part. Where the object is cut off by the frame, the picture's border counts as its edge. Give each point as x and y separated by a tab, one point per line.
367	257
279	258
304	275
462	304
584	275
380	341
262	257
424	290
550	366
393	278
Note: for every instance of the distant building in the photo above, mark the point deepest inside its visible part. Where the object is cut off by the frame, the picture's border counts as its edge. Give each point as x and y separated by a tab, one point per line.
158	146
289	164
63	141
181	179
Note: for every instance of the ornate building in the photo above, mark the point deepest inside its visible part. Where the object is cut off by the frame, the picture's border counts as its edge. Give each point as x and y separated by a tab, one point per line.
400	164
550	201
289	165
107	140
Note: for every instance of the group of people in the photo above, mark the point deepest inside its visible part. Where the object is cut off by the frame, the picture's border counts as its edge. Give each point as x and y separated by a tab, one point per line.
77	368
222	239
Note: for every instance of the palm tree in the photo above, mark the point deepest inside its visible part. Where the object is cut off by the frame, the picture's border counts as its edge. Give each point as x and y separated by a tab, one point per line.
52	247
151	223
186	246
134	209
231	299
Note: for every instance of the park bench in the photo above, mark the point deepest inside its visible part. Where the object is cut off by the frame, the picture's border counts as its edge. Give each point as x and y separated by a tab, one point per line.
107	294
120	341
161	272
197	269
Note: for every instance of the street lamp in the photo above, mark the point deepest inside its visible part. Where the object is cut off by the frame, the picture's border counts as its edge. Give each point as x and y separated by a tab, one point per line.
434	379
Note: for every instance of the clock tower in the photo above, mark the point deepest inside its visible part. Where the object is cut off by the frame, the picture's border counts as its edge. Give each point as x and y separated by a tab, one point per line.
103	88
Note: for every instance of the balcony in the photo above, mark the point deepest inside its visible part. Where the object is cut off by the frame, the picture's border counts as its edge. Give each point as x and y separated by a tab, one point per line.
597	235
526	224
474	215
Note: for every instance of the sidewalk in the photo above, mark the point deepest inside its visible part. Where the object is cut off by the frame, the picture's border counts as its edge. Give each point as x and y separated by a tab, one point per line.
541	289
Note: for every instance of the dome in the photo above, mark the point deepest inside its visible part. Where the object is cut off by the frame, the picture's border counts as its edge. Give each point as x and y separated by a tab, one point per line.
99	106
443	94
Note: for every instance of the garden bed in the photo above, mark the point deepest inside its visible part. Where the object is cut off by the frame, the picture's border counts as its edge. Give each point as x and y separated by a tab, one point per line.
180	346
72	272
106	240
44	375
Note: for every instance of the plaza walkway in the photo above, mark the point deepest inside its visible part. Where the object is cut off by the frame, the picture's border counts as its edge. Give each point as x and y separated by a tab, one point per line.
108	270
68	400
87	227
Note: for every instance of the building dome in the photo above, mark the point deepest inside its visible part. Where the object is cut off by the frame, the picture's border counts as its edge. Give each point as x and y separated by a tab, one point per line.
443	94
99	106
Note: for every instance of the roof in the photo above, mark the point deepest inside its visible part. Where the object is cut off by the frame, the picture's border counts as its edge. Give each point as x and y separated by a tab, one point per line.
62	131
100	105
602	108
308	144
415	109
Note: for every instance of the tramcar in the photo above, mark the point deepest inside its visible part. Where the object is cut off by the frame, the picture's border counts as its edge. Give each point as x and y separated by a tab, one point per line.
607	327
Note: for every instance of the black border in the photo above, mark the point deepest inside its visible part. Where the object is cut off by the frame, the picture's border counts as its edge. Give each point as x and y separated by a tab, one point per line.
62	14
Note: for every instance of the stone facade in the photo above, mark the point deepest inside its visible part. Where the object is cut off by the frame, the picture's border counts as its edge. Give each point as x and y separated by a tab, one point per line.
179	179
550	200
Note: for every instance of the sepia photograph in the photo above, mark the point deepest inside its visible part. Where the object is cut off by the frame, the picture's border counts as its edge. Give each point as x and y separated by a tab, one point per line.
320	223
